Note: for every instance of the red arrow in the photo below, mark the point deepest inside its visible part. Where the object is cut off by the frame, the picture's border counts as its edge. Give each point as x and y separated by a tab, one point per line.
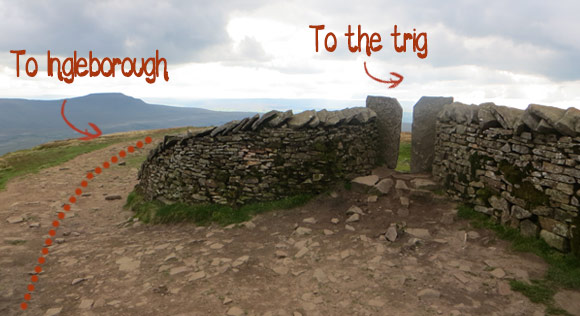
393	82
86	132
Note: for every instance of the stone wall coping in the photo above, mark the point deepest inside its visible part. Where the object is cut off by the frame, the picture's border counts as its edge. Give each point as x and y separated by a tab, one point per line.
536	118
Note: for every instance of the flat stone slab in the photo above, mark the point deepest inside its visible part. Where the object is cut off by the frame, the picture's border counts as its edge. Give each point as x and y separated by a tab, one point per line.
424	184
15	219
384	186
418	232
569	301
363	184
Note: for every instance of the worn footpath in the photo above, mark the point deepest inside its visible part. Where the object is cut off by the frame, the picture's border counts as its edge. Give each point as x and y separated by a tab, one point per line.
343	253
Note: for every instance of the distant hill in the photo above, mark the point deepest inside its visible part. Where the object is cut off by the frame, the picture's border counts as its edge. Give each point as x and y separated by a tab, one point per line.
27	123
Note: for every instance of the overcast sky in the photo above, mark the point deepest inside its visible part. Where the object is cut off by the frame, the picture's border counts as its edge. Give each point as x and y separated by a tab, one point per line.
508	52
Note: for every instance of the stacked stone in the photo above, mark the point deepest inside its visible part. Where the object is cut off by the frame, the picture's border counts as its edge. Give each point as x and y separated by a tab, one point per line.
522	167
262	158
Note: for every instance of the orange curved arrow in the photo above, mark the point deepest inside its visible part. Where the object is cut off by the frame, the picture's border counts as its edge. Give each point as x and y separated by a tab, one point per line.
393	82
88	135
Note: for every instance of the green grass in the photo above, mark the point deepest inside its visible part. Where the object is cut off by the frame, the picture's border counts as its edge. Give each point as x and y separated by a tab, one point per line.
135	161
537	291
33	160
16	242
204	214
563	270
404	161
51	154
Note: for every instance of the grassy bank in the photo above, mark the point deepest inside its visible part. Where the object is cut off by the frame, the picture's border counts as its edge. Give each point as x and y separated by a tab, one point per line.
563	271
204	214
51	154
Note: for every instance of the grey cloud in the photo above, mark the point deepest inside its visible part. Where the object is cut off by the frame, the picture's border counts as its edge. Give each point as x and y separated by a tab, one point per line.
183	31
531	25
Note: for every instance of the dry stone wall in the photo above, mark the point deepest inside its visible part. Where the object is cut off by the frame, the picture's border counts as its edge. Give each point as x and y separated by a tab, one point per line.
262	158
521	167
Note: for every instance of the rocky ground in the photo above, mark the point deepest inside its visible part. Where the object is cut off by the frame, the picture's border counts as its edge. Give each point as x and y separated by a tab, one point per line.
344	253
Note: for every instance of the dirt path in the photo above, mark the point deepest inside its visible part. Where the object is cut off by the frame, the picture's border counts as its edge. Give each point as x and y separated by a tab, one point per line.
267	267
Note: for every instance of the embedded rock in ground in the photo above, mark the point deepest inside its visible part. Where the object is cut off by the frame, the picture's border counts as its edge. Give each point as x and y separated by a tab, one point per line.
401	185
423	141
235	311
384	186
86	304
569	301
301	231
353	218
421	195
53	311
428	294
389	116
113	197
404	201
391	233
354	210
418	232
498	273
15	219
424	184
240	261
364	184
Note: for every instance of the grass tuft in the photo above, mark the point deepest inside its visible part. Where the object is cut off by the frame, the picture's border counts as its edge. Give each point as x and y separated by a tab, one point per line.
404	160
537	292
563	271
203	214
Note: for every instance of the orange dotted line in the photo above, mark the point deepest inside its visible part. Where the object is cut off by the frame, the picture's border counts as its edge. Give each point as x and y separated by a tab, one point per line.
67	207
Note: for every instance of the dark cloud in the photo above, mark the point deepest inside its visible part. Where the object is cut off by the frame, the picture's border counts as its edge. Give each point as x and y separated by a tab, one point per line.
183	31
